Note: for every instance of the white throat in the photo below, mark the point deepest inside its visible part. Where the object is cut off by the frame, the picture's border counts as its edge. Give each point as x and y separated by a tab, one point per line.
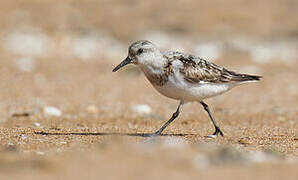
152	63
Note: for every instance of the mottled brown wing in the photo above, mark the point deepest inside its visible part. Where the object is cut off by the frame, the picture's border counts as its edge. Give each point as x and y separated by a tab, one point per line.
200	70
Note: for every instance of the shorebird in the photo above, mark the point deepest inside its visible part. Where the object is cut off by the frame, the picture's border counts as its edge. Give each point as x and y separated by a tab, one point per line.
183	77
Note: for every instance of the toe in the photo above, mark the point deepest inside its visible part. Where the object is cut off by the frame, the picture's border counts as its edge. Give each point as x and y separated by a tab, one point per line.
212	136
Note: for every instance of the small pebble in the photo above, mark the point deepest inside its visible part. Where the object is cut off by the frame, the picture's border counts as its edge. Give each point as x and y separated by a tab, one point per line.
24	137
52	111
245	141
142	109
92	109
23	114
40	153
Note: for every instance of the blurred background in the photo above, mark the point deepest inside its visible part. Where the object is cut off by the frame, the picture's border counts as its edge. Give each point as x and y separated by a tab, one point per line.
56	60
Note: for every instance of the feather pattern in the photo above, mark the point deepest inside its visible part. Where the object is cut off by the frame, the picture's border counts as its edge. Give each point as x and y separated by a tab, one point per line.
196	70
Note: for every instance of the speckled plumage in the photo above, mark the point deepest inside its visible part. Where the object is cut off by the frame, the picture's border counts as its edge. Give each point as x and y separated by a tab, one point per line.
196	70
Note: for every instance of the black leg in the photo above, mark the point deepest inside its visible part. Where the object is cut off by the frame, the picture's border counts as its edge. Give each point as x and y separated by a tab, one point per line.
217	129
174	116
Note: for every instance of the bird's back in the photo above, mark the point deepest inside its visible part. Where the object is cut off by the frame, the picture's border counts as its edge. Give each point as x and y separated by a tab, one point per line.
196	70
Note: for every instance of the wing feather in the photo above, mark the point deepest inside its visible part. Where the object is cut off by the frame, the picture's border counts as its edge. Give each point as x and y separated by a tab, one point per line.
197	70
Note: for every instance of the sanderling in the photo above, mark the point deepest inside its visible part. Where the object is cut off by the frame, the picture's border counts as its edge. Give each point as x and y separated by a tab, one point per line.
183	77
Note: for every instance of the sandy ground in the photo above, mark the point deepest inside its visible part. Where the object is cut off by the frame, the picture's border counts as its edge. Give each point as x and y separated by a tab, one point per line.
94	130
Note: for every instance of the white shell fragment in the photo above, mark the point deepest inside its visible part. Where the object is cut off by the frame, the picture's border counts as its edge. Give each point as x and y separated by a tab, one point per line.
52	111
142	109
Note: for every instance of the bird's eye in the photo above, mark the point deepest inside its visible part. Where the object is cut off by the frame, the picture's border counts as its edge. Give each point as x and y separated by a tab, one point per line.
140	51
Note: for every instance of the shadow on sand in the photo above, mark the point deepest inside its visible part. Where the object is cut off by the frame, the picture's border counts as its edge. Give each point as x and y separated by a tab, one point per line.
106	134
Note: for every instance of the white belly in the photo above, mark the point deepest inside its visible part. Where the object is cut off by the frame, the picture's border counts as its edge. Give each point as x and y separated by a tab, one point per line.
179	89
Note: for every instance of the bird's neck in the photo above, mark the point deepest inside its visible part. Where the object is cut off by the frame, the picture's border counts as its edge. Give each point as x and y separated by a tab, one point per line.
153	66
156	75
150	69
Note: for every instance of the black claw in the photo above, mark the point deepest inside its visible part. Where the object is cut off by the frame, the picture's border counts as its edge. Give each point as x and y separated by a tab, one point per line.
157	133
217	130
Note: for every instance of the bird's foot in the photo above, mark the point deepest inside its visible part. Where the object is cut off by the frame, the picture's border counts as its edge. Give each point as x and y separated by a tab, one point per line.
214	135
151	138
157	133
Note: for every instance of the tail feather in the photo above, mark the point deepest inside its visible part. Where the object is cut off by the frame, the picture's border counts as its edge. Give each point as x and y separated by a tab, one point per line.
247	77
244	77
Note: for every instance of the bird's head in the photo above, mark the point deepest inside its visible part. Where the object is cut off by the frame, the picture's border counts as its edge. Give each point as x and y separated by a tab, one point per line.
140	53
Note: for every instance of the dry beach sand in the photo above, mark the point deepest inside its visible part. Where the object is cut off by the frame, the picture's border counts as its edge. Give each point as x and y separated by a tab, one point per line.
65	115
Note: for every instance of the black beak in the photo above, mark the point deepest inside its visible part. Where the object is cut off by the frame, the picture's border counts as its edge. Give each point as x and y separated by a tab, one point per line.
123	63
